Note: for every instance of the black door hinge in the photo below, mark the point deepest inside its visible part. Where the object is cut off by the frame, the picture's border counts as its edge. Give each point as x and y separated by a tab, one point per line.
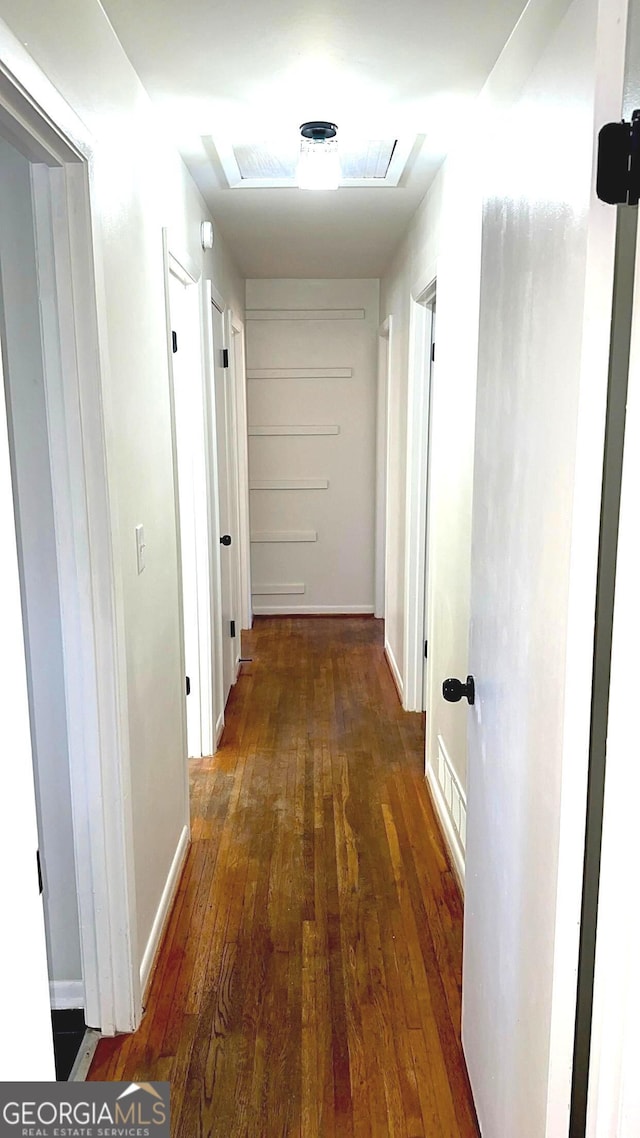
174	342
39	864
433	352
225	357
232	629
426	649
188	685
618	174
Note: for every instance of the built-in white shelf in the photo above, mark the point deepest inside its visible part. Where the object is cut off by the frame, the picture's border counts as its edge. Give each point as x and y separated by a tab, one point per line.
290	484
295	429
305	314
299	373
276	590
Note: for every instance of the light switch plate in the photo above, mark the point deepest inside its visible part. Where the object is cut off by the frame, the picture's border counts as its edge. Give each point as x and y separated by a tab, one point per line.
140	548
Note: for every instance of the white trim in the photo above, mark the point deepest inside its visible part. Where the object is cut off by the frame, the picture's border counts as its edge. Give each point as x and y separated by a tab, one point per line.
305	314
295	429
300	373
219	730
186	273
169	265
66	994
284	535
446	824
381	568
289	484
425	284
217	299
77	393
416	500
237	356
214	508
313	610
395	671
240	479
164	908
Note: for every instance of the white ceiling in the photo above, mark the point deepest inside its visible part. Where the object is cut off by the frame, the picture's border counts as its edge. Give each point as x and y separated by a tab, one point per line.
253	69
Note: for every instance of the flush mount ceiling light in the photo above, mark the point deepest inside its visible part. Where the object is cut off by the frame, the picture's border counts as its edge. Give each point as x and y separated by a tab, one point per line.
318	164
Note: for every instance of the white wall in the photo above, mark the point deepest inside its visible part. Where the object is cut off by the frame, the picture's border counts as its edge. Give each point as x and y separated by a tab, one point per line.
336	568
139	185
27	414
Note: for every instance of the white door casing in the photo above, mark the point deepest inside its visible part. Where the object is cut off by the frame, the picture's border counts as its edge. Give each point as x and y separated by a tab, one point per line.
76	372
238	379
190	428
227	481
385	342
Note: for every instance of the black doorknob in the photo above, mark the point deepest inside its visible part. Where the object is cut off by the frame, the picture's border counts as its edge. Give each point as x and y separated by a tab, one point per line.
454	690
225	539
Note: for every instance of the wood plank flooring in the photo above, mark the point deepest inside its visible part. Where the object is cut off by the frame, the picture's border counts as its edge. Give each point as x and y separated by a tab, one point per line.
309	981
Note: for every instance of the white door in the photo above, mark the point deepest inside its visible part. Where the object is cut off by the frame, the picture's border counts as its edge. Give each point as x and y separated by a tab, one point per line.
226	485
28	1054
542	377
193	503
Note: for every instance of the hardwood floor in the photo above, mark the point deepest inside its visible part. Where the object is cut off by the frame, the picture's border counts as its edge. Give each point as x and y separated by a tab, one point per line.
309	981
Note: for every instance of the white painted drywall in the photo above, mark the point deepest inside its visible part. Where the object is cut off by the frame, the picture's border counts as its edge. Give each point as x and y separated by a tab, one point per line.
139	185
545	314
337	569
27	414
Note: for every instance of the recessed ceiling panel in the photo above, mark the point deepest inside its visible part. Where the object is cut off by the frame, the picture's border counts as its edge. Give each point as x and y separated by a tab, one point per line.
269	164
266	160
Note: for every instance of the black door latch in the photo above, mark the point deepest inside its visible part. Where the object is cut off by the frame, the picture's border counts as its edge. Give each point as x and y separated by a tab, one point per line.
618	173
454	690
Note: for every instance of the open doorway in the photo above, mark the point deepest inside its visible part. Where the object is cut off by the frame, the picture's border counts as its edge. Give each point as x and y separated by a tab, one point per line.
40	596
52	372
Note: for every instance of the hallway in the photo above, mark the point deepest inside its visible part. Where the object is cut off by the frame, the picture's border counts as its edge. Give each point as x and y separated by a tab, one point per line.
310	976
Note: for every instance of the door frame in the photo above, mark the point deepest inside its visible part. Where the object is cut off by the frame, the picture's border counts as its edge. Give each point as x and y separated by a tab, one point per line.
237	363
76	372
418	432
211	297
381	568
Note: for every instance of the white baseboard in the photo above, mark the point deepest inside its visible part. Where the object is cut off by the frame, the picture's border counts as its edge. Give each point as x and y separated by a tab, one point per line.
395	671
219	730
157	929
312	610
66	994
450	804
